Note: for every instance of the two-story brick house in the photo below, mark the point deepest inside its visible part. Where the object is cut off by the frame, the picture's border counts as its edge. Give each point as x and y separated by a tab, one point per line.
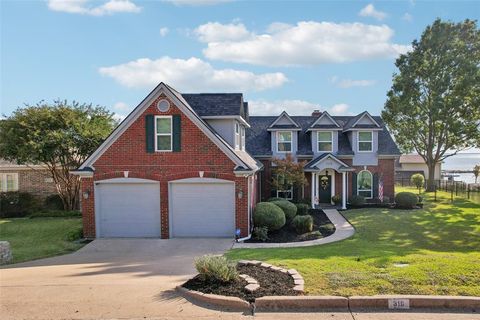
195	165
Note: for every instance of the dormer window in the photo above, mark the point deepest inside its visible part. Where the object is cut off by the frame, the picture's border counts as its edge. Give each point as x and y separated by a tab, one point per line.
284	141
365	141
325	141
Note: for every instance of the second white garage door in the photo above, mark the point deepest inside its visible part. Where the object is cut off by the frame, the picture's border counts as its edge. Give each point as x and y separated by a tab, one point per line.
202	209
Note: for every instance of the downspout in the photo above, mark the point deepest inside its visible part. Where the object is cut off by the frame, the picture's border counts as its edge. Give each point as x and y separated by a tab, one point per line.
248	208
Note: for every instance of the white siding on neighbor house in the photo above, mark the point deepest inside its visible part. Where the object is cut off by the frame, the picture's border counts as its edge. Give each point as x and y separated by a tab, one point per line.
282	155
314	138
225	128
364	158
421	167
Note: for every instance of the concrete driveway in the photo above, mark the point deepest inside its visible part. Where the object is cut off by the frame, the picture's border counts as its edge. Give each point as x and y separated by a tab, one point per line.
130	279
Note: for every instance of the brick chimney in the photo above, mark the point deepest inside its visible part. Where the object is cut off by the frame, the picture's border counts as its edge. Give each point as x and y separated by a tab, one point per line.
316	113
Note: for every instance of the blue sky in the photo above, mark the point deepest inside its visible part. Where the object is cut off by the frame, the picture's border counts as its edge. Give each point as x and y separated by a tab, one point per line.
330	55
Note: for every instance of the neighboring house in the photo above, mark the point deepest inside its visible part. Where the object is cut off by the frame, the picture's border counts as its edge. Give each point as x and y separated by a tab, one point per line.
191	165
34	179
410	164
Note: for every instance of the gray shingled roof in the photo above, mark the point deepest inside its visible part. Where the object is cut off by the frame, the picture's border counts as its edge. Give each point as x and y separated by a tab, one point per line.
258	139
216	104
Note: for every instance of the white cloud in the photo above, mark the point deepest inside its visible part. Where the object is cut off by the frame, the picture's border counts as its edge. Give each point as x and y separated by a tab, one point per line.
192	74
217	32
163	31
407	17
196	2
293	107
119	117
348	83
307	43
121	106
370	11
81	7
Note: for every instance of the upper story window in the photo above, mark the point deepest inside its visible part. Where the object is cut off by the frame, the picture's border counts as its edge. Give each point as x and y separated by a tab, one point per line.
284	141
237	135
325	141
364	184
242	144
163	133
8	182
365	141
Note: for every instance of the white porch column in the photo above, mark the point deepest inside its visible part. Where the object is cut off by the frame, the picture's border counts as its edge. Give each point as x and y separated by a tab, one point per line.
332	187
313	189
344	190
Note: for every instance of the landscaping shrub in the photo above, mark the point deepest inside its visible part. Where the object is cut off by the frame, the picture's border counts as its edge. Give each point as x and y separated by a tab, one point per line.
216	268
418	180
75	234
275	199
305	200
406	200
56	214
17	204
303	224
326	229
268	215
357	200
53	202
302	208
288	208
260	233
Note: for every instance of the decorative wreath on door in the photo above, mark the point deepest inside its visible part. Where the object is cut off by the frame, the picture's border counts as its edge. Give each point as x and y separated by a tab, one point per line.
324	182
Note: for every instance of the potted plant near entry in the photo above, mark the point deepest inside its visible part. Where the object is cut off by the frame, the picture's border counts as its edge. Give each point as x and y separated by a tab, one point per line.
337	200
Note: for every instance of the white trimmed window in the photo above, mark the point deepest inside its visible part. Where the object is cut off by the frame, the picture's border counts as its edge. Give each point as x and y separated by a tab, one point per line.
285	194
163	133
325	141
364	184
237	136
8	182
365	141
242	130
284	141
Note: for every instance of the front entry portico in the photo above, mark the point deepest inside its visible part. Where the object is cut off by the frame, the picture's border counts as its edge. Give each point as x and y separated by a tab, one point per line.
324	170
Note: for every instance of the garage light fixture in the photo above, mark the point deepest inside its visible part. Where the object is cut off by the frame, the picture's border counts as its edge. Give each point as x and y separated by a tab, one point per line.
86	194
200	173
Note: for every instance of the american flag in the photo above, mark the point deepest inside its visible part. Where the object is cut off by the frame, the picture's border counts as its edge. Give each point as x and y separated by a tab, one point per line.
380	188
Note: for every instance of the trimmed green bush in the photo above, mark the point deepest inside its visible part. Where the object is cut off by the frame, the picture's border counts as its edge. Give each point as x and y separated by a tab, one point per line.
268	215
53	202
302	208
56	214
260	233
418	180
17	204
216	268
303	224
357	200
75	234
288	208
406	200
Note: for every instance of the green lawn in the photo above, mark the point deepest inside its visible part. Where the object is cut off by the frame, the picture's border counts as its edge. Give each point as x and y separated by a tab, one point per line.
40	237
438	246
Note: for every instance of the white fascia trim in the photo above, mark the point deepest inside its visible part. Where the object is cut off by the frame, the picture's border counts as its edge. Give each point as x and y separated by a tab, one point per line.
283	129
333	158
82	174
284	113
325	113
369	116
323	129
363	129
135	114
238	118
389	156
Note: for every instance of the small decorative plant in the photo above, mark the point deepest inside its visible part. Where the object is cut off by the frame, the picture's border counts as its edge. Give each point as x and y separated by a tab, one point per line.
216	268
337	199
260	233
303	224
418	180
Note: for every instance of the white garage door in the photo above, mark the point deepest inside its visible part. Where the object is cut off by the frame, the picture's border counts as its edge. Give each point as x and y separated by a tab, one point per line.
202	209
128	207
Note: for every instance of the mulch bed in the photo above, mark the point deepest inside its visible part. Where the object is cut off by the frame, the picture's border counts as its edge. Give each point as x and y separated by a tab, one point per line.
322	227
272	283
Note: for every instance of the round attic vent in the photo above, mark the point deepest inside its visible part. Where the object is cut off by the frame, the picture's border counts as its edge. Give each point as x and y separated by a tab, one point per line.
163	105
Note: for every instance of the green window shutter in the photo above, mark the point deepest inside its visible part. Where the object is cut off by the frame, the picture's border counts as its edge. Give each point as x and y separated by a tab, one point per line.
177	134
149	134
375	185
354	183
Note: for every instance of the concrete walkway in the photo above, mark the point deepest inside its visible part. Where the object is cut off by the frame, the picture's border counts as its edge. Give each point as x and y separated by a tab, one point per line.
343	230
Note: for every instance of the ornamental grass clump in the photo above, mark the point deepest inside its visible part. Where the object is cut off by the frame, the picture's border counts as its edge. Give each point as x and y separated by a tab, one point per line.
216	268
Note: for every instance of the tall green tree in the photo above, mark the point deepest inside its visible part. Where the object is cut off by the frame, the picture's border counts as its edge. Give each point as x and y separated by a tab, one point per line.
476	172
60	136
433	107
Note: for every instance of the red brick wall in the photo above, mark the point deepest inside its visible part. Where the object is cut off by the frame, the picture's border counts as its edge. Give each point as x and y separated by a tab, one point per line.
198	153
37	182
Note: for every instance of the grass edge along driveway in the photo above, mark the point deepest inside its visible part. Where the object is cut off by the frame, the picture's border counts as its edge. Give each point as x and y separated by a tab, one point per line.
433	251
39	237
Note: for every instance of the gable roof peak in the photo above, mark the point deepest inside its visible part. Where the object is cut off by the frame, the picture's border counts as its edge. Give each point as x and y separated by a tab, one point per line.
354	122
292	123
332	123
